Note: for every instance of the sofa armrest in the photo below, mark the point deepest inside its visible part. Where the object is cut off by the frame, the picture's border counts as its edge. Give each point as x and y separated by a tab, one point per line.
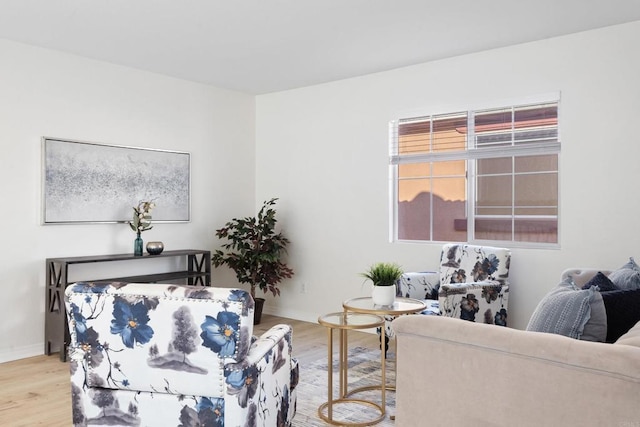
418	285
264	382
632	337
536	378
270	341
484	302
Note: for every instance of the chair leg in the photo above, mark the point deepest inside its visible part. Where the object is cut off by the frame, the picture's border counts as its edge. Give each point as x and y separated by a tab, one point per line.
386	341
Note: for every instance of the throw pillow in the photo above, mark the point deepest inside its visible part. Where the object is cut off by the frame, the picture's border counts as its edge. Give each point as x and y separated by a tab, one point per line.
603	283
596	327
627	276
631	265
566	310
623	311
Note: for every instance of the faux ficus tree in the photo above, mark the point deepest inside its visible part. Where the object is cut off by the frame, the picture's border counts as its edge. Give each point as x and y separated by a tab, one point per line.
254	250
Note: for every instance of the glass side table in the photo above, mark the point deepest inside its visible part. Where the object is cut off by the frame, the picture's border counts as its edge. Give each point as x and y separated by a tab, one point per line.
401	306
343	322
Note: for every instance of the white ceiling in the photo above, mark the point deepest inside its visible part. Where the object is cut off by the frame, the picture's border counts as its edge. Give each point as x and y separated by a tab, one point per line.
262	46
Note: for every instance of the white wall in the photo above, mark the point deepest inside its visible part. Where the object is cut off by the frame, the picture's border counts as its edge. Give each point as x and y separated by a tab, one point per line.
47	93
323	151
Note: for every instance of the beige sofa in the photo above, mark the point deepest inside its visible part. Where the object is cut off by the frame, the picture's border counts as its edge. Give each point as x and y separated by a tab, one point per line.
454	373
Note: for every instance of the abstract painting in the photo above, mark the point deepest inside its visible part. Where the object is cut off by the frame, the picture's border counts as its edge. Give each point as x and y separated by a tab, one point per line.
87	182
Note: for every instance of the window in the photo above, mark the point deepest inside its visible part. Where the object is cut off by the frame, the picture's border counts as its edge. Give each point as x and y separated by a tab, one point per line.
489	175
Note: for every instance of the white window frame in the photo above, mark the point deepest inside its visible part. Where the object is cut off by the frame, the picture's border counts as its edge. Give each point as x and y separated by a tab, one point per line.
469	156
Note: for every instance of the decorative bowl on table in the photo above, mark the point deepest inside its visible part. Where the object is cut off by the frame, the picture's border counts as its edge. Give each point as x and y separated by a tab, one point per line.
155	248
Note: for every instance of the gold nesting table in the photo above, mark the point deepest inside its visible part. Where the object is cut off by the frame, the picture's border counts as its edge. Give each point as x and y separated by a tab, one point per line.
343	322
400	306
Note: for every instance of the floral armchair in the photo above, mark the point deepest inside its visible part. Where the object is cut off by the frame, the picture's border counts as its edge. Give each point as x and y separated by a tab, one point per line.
172	355
472	283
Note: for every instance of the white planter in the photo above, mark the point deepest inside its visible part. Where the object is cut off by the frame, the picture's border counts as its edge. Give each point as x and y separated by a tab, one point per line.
383	295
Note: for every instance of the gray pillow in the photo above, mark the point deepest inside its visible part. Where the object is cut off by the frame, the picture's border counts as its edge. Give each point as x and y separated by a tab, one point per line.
566	310
626	277
596	327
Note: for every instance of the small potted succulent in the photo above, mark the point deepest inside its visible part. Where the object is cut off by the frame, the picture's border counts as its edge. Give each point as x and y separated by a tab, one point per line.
384	276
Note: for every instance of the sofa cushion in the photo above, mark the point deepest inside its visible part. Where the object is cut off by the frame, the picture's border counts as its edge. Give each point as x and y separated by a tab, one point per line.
601	281
623	312
567	310
627	276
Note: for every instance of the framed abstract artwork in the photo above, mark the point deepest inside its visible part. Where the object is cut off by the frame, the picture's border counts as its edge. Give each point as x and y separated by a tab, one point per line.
86	182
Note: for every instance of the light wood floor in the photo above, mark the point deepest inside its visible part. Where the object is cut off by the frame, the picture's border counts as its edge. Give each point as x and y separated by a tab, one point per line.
37	392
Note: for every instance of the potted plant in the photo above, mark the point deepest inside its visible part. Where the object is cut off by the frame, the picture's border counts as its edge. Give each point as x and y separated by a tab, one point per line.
253	251
384	277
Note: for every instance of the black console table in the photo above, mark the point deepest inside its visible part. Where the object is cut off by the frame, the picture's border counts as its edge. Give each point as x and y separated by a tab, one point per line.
56	331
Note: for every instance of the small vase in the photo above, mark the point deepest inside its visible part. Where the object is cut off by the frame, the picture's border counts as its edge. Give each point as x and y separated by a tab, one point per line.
383	295
155	248
137	246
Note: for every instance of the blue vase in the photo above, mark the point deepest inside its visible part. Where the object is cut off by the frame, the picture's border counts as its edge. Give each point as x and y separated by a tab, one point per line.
137	246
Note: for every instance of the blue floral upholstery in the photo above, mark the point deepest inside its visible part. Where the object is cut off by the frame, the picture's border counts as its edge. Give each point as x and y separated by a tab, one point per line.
153	354
472	283
422	286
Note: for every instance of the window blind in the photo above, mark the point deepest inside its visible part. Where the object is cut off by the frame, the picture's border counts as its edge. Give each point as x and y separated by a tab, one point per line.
515	131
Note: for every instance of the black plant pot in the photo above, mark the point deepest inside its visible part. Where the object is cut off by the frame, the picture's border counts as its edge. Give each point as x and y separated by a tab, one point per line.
257	313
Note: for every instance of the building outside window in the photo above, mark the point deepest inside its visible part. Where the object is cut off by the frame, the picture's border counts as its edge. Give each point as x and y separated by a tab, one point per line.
478	175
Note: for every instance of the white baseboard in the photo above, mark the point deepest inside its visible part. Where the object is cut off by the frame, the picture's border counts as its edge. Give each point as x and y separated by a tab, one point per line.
22	352
291	314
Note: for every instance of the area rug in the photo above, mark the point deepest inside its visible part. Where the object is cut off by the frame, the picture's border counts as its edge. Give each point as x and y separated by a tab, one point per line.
364	370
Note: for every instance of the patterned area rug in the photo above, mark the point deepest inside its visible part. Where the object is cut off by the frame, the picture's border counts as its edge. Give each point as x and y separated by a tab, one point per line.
364	370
